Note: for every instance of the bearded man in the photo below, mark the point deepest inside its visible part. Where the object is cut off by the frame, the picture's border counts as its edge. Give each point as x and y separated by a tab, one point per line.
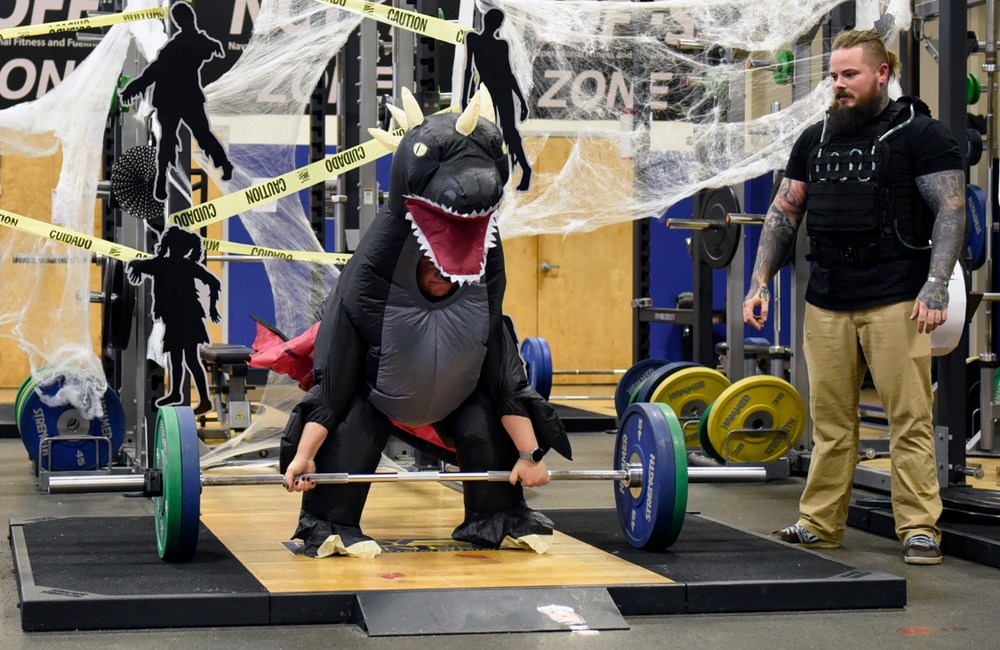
884	187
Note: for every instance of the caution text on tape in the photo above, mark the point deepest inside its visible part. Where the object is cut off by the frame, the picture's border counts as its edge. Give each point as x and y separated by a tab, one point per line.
412	21
276	253
289	183
44	29
70	237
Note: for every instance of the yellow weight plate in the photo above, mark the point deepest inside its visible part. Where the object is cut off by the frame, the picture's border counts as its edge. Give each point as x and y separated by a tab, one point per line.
689	392
749	420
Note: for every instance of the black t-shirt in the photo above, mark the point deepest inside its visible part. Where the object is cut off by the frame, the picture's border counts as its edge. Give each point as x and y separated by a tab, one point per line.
922	147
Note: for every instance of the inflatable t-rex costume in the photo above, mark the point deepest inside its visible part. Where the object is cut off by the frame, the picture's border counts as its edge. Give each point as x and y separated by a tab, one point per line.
389	360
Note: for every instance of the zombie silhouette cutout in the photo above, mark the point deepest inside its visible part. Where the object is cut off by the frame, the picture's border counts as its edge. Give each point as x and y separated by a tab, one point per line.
178	97
488	56
176	271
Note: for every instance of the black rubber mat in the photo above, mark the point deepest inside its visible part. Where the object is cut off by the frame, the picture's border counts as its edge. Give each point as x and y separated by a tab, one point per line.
961	535
105	573
729	570
90	573
579	420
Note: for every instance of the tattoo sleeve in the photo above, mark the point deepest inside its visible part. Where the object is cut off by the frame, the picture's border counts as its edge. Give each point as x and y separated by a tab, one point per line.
776	239
944	192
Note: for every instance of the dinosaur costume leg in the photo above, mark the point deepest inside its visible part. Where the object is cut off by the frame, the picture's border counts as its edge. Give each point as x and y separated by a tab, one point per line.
330	520
495	513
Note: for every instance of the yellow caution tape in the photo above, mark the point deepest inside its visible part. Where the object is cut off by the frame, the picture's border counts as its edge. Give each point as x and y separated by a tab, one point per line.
294	181
271	190
124	253
262	251
412	21
70	237
44	29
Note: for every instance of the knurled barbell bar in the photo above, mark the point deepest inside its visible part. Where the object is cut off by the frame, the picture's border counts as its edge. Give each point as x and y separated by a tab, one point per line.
650	474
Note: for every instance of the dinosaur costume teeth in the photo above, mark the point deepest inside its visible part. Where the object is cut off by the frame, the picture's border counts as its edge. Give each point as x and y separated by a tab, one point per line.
456	243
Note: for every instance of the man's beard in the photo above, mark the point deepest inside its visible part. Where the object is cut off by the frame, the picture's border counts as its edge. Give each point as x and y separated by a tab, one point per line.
845	120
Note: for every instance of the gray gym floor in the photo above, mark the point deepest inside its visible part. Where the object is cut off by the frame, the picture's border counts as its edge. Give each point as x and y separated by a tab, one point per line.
953	605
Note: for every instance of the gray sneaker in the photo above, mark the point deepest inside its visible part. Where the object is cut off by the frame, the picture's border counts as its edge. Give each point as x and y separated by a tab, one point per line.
799	535
922	549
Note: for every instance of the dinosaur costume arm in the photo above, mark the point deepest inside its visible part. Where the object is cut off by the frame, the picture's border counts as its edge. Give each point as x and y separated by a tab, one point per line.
339	365
504	378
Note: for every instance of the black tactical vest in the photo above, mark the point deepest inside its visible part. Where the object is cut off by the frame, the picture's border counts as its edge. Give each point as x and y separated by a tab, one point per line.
853	214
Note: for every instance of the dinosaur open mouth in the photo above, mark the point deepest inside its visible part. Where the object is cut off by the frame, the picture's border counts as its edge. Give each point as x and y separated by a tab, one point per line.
456	243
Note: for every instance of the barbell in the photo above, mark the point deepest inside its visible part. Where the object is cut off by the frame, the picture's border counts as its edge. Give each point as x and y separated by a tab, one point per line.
650	473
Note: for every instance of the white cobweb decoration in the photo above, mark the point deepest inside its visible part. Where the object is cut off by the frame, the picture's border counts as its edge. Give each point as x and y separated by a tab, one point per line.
654	101
268	91
712	126
42	305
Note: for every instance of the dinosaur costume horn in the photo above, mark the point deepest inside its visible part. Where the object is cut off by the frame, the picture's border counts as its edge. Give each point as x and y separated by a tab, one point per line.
390	141
414	115
469	118
486	108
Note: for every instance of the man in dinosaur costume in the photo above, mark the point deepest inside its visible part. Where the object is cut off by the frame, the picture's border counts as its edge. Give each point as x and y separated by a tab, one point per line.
413	344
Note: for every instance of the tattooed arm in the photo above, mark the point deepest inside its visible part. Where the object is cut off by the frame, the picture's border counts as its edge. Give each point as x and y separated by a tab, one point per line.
776	240
944	192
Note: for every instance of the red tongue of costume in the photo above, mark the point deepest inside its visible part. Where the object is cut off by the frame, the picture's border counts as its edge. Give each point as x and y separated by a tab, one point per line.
458	243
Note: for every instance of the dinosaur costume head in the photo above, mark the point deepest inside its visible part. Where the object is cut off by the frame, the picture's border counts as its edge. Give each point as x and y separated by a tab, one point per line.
448	177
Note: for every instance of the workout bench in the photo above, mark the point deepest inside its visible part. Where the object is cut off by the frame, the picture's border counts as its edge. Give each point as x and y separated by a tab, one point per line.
229	376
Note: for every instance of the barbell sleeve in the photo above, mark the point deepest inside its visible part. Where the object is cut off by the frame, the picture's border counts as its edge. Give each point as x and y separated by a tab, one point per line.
96	483
746	218
694	224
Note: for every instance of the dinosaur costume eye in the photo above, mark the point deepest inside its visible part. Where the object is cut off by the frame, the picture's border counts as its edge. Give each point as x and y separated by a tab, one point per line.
420	149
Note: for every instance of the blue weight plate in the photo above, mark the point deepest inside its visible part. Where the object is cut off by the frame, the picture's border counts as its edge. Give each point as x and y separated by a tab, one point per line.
648	387
652	515
975	212
178	511
632	379
39	421
538	356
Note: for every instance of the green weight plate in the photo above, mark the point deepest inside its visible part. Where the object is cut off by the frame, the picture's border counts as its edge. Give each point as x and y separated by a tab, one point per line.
18	401
786	62
973	89
689	392
29	385
680	473
178	511
705	439
744	417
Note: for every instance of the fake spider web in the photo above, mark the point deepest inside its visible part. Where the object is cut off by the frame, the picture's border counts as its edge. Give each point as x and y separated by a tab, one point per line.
645	103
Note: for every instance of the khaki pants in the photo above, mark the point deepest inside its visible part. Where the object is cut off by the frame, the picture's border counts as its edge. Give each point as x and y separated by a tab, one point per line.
839	346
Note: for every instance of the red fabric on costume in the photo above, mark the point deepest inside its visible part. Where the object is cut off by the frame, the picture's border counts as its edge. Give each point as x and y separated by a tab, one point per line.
424	432
293	358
